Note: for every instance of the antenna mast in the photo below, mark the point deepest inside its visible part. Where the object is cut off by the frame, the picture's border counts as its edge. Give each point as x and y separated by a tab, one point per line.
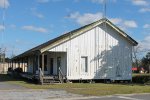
105	31
3	24
2	48
104	8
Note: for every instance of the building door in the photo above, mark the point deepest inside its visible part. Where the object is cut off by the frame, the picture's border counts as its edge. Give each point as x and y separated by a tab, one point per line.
51	66
58	64
45	65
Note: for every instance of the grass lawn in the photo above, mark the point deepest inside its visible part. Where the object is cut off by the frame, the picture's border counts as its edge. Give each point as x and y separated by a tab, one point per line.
97	89
137	74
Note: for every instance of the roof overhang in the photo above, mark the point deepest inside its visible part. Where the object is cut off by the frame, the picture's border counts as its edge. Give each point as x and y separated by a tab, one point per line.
65	37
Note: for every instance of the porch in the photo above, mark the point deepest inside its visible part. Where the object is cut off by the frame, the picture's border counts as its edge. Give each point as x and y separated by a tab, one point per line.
48	67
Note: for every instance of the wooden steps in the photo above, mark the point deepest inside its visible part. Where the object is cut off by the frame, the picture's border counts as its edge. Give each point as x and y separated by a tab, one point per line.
46	79
50	80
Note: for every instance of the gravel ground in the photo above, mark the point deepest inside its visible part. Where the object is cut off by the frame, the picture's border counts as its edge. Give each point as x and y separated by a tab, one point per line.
15	92
36	95
7	86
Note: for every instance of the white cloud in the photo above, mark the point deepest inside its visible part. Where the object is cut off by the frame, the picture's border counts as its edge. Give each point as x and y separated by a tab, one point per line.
86	18
145	44
144	5
2	27
146	26
124	24
97	1
130	24
42	1
34	28
4	3
83	19
101	1
39	15
116	20
56	0
144	10
140	2
12	26
36	13
46	1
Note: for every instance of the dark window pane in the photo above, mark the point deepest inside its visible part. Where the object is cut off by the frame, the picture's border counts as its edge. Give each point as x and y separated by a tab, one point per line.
84	64
45	62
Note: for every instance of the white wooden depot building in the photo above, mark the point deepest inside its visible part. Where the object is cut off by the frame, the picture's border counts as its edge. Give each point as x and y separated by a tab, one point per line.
99	50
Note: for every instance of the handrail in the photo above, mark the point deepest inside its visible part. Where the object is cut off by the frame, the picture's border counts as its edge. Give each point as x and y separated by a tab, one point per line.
61	76
41	76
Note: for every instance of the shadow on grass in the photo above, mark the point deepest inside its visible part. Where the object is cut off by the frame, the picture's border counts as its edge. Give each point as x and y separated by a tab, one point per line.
7	78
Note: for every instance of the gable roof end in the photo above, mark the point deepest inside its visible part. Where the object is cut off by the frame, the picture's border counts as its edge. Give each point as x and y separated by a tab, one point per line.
43	47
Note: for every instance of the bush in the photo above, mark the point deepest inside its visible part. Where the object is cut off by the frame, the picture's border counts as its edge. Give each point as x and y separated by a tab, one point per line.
10	69
18	70
141	78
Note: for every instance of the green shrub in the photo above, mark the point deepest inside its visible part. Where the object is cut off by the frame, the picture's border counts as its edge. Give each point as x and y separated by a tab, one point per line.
141	78
18	70
10	69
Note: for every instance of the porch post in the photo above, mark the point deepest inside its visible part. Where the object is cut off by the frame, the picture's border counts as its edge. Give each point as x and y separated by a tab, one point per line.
24	64
8	64
18	63
12	64
38	63
34	63
43	63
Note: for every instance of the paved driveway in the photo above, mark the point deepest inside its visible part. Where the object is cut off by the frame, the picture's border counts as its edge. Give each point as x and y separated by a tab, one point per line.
122	97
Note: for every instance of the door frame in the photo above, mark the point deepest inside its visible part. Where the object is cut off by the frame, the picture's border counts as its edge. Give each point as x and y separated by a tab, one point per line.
84	69
59	64
51	66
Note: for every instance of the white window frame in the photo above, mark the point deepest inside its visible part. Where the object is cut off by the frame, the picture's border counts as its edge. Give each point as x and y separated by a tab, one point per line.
86	63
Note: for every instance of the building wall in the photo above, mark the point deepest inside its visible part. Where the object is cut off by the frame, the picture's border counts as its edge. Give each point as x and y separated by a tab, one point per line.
3	67
109	55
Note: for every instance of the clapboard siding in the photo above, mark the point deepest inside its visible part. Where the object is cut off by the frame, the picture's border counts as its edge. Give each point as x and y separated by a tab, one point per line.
109	55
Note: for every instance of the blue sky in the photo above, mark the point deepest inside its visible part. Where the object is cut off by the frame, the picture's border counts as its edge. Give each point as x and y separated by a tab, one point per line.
29	23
